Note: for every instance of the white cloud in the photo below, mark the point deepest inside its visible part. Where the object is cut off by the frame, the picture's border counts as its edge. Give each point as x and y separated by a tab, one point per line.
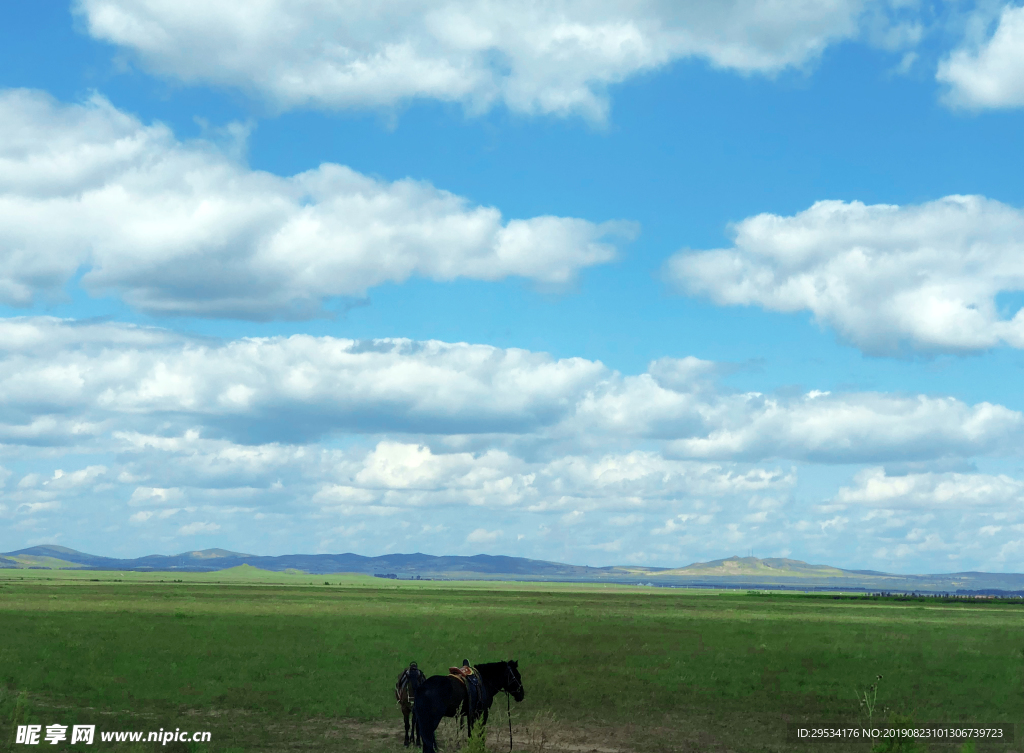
362	496
483	536
182	394
146	495
213	463
990	74
883	276
698	420
633	477
198	528
555	57
873	488
394	465
861	427
178	228
415	477
71	480
323	384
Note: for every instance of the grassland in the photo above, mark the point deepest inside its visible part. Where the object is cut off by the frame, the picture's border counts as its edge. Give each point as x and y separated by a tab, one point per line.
277	661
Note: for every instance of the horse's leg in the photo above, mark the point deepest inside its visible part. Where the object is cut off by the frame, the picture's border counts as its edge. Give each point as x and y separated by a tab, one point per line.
470	717
405	717
417	741
472	711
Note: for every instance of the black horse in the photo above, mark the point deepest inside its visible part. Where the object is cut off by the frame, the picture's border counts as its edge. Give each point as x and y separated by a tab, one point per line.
446	695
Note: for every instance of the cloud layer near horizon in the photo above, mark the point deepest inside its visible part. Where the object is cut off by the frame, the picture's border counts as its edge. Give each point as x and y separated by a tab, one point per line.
179	228
181	439
551	58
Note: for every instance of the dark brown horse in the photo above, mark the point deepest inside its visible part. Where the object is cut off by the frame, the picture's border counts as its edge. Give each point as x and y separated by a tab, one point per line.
447	695
405	693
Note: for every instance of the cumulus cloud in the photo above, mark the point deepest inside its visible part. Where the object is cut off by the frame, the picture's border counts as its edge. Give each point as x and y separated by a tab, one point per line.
396	465
873	488
414	476
884	277
58	489
156	476
283	392
64	481
555	57
194	460
699	420
483	536
857	428
180	229
989	74
295	387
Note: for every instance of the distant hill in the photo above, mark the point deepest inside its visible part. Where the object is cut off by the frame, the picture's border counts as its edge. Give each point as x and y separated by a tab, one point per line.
732	572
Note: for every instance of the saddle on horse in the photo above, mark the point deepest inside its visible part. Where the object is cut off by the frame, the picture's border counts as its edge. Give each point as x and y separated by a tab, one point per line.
475	692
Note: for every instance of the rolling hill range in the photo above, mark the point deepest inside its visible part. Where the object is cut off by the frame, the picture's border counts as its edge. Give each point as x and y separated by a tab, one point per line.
733	572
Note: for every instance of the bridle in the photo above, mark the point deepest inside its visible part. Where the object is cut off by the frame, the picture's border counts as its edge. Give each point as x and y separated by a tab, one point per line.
510	674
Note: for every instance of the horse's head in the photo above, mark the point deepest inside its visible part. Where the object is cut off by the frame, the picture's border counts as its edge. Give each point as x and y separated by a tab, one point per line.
415	679
514	681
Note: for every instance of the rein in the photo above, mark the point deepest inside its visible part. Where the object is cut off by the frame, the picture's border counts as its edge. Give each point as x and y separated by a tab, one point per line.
508	708
508	702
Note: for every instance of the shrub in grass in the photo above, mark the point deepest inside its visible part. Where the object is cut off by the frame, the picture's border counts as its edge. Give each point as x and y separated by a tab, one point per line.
868	699
478	742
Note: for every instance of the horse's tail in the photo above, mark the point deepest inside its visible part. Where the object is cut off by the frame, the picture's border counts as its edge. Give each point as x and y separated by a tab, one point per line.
420	718
426	734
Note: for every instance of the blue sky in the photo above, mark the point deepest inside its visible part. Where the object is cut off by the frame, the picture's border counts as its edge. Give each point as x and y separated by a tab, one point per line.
606	283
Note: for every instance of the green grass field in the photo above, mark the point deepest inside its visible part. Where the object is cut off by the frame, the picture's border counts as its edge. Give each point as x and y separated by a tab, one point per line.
285	662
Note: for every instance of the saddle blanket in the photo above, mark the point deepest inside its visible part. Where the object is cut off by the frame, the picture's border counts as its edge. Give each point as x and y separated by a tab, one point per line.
461	671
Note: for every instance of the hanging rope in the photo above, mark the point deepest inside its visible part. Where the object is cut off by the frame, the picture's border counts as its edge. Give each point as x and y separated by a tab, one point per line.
508	706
